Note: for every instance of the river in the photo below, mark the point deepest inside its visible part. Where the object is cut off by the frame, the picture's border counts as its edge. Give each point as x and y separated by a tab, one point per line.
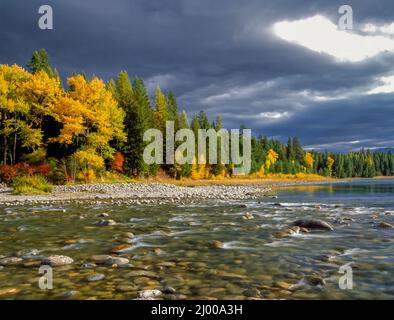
209	251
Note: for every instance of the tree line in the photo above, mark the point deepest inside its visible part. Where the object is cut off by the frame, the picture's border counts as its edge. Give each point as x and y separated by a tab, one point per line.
89	128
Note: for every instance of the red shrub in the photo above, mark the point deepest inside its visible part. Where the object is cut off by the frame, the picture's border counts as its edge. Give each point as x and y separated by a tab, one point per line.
9	172
118	162
43	169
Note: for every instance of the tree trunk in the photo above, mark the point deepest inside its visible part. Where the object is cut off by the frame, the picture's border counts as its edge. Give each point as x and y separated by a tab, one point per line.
5	150
14	150
4	141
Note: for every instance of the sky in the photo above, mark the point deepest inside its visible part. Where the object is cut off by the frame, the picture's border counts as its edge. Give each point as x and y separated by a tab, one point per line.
282	68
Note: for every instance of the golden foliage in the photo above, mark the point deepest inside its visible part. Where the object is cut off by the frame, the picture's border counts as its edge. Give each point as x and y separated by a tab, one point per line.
308	161
329	163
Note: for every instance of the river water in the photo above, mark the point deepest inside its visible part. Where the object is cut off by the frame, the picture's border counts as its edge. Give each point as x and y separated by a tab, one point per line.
173	246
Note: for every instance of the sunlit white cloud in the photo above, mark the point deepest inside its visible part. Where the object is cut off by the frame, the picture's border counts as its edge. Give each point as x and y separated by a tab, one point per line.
387	85
319	34
274	115
373	28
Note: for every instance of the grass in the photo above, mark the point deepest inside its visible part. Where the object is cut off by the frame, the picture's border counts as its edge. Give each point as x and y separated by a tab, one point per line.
30	185
268	180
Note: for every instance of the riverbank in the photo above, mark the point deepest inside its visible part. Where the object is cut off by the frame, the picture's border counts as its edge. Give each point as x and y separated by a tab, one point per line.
162	191
136	193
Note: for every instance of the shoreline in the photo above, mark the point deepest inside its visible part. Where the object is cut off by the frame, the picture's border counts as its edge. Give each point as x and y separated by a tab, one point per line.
156	192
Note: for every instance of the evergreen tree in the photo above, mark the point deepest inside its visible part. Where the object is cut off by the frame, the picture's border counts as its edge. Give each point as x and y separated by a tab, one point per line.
133	101
40	61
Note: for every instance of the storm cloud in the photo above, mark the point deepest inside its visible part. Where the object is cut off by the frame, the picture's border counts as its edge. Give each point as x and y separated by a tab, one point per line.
223	56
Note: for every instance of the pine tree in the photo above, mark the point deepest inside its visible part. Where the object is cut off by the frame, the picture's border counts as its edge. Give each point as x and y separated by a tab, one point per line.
161	112
133	101
40	61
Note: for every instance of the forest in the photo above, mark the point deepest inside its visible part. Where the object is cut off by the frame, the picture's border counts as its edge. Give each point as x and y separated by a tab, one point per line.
88	130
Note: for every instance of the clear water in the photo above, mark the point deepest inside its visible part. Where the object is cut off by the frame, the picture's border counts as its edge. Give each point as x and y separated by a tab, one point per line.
172	246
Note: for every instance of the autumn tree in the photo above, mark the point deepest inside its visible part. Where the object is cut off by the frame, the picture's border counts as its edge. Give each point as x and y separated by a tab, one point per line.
308	161
89	113
329	163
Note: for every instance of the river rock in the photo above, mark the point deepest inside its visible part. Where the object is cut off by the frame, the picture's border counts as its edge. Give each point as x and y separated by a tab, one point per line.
118	261
101	258
104	223
285	232
70	294
215	244
148	294
129	235
10	261
284	285
313	224
28	254
251	293
385	225
248	216
315	280
8	291
95	277
57	260
121	248
103	215
89	265
168	290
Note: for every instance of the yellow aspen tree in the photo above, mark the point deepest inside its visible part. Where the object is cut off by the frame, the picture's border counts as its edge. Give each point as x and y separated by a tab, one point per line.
272	158
308	161
329	163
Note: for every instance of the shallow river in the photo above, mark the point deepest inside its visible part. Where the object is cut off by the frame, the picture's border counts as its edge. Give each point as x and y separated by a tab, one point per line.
173	247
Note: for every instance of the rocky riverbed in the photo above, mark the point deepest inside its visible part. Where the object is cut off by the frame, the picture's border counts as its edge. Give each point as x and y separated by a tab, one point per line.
136	193
289	247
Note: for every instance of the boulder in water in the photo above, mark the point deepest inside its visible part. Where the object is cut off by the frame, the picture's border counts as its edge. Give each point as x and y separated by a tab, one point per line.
313	224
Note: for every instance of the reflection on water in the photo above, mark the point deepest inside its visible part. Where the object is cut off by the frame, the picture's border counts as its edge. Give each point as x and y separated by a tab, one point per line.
172	246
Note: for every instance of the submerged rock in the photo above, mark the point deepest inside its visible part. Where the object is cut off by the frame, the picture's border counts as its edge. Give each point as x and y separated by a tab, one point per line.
251	293
95	277
285	232
168	290
104	223
10	261
109	260
315	280
70	294
248	216
284	285
385	225
215	244
57	260
103	215
8	291
121	248
313	224
118	261
101	258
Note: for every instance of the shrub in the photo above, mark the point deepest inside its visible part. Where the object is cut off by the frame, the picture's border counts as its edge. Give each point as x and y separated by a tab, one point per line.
34	184
87	176
118	162
36	157
9	172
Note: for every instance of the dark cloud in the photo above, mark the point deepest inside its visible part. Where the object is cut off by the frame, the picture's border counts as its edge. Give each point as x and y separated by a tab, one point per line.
220	56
